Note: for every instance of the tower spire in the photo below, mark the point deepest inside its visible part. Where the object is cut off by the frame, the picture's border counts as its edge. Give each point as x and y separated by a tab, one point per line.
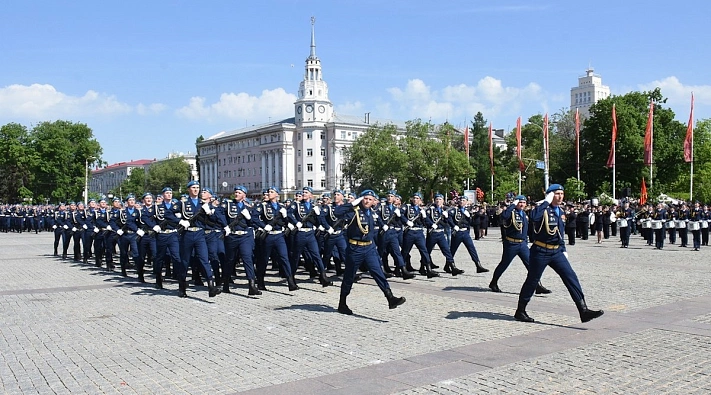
313	38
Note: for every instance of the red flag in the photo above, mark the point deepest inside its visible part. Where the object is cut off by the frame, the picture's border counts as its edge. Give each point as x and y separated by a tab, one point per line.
466	140
577	140
521	166
648	136
689	140
611	158
643	196
491	149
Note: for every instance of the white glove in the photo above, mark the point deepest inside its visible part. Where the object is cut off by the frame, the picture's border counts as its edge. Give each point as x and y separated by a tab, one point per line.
515	202
456	228
299	224
356	201
423	213
74	229
178	215
565	254
228	230
291	226
445	214
108	227
54	226
156	229
140	232
85	227
410	224
119	232
282	211
397	212
434	226
268	228
549	197
245	213
321	228
184	223
96	230
206	207
467	214
65	227
385	228
317	210
331	231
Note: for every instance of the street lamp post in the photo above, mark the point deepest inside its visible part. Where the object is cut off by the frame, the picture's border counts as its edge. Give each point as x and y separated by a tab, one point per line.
545	159
86	179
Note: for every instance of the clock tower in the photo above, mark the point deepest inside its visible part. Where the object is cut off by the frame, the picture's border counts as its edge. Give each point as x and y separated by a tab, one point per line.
313	105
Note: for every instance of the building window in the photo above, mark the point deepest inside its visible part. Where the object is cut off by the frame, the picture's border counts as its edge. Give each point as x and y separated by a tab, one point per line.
343	134
298	168
323	183
323	135
323	151
309	167
298	136
355	135
310	183
323	167
309	152
298	153
309	135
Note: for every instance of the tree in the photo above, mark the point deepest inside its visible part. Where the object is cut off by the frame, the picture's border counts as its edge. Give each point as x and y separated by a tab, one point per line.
135	183
174	173
16	161
374	159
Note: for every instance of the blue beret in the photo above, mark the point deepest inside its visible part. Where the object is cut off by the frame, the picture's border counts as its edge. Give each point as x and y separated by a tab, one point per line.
309	189
275	189
439	195
520	197
167	189
554	187
146	195
298	193
463	197
326	195
92	200
116	199
130	196
193	182
70	202
398	196
208	190
102	200
351	194
417	194
368	192
392	192
241	188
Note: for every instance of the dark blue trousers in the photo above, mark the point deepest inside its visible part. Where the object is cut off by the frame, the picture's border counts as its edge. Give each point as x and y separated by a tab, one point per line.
542	258
166	244
355	257
391	246
435	238
242	246
305	242
274	243
463	236
193	241
415	238
511	251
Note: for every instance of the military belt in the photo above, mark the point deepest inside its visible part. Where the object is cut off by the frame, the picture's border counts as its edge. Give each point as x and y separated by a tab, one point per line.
437	230
193	229
275	232
305	229
169	231
546	246
417	228
359	242
511	239
210	230
239	232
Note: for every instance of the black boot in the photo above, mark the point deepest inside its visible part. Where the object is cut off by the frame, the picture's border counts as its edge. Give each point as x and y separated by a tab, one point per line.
291	281
454	269
260	284
182	289
431	273
226	287
405	274
520	314
159	281
253	290
55	252
212	288
197	278
585	313
325	282
480	268
494	286
139	271
393	301
343	307
540	289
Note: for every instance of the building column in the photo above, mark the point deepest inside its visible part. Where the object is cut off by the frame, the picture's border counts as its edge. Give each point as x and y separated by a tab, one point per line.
264	170
277	167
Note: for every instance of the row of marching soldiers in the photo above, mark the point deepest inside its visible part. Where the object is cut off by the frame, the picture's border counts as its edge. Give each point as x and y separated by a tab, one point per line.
667	220
209	236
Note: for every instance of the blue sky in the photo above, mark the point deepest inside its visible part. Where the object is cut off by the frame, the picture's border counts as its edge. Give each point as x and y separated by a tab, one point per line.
149	77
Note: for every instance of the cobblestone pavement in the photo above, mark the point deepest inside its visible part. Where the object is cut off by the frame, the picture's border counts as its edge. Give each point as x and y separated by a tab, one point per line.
73	328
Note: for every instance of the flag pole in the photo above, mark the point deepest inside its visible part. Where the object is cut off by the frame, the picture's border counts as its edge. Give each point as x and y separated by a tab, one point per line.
651	153
577	143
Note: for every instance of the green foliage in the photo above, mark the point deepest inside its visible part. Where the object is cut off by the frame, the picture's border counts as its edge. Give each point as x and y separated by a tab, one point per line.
16	161
174	173
135	183
574	189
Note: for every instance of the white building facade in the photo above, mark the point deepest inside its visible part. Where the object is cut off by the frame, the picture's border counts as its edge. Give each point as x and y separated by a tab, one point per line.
306	150
589	90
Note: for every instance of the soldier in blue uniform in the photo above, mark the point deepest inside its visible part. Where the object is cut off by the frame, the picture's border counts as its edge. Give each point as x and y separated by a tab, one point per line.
147	243
126	223
659	235
626	213
360	217
549	250
239	239
306	217
515	242
72	224
391	230
695	215
437	221
462	220
275	218
414	219
214	239
101	217
58	227
87	237
167	215
335	239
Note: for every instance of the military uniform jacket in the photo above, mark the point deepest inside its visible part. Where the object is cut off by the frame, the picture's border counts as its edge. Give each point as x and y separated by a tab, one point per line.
168	214
101	218
436	216
273	214
329	214
548	225
361	224
460	217
147	218
192	211
515	223
299	212
74	219
414	213
389	217
236	220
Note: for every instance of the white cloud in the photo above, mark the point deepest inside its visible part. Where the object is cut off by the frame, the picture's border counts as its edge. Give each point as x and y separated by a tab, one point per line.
462	101
43	101
155	108
272	103
678	93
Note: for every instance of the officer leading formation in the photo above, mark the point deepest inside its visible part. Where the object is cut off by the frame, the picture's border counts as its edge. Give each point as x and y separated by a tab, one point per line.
201	236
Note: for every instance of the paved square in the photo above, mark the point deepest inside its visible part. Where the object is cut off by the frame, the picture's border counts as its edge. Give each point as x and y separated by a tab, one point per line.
73	328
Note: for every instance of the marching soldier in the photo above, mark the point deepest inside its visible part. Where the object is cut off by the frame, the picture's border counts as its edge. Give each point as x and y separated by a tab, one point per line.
239	239
275	219
414	218
167	214
147	243
627	214
58	227
306	217
462	223
695	218
126	223
391	225
683	216
437	221
335	240
101	218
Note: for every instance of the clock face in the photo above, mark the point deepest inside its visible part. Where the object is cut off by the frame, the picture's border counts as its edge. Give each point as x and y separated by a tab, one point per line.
309	108
298	109
321	109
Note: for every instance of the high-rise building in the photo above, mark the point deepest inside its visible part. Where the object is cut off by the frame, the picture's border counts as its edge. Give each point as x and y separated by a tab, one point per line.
304	150
589	90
